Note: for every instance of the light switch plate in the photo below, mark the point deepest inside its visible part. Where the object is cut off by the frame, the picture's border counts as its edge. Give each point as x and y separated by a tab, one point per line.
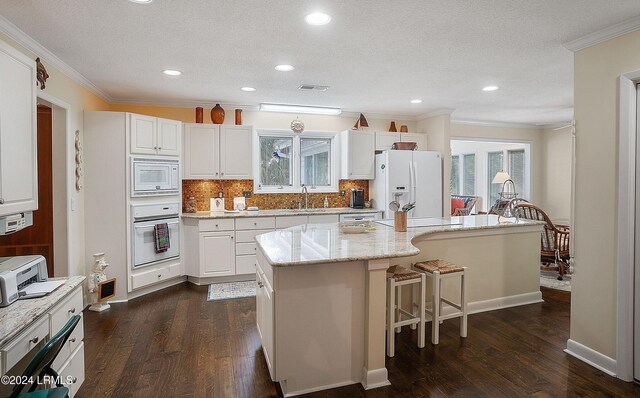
246	194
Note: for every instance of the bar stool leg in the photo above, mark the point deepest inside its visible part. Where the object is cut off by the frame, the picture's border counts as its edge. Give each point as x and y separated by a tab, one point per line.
435	322
463	303
391	318
398	305
421	308
414	307
441	303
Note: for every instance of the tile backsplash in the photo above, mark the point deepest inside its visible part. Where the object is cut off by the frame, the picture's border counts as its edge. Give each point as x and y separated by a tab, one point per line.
203	190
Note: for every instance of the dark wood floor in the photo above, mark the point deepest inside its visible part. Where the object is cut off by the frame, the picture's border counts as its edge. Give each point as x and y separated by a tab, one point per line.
174	343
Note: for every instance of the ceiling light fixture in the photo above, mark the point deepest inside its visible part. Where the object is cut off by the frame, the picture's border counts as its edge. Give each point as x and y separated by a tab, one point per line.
172	72
416	101
490	88
141	1
317	18
313	110
247	89
284	68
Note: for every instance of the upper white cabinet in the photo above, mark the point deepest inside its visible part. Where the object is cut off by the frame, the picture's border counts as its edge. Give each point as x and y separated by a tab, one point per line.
18	135
154	136
214	151
384	141
235	152
358	155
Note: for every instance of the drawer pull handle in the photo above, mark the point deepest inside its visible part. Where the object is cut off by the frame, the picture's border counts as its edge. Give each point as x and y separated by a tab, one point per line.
34	340
73	339
216	225
73	310
1	201
74	380
255	223
159	275
260	284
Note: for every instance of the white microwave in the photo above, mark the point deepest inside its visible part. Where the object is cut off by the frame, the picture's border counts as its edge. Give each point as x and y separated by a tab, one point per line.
155	177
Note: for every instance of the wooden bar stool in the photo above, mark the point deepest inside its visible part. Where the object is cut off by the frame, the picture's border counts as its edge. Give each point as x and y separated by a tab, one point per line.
438	270
397	277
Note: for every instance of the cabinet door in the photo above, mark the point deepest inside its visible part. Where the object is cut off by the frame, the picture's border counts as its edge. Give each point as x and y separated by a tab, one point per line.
201	142
264	319
384	141
236	152
143	134
18	142
361	164
169	137
419	138
217	254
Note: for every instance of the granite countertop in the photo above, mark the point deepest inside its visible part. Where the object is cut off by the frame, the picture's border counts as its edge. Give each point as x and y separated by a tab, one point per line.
325	243
20	314
280	212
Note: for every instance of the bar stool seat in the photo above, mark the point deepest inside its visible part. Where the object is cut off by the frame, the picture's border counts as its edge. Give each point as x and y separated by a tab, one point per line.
397	277
437	270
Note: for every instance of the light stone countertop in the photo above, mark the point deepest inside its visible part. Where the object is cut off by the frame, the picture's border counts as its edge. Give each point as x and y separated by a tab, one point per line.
20	314
279	212
325	243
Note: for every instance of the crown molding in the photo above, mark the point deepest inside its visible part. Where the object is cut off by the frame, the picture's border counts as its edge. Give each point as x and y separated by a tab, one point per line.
185	104
603	35
437	112
382	116
485	123
26	41
557	126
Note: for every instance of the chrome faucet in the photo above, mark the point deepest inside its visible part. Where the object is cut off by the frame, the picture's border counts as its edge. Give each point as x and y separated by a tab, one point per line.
305	191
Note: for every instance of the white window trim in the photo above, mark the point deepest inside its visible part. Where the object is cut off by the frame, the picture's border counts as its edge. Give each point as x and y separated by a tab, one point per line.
296	168
505	161
461	173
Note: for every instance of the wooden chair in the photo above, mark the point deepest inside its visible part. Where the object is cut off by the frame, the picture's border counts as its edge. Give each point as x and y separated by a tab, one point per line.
555	238
470	202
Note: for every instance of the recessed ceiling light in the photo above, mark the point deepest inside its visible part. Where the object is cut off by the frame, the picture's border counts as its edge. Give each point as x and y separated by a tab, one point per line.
247	89
490	88
317	18
172	72
141	1
284	68
416	101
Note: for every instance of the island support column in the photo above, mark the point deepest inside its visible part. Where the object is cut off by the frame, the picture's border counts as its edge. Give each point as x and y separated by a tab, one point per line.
374	372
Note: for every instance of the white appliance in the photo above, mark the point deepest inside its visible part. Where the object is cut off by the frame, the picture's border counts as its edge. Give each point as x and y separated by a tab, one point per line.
24	277
408	176
156	176
15	222
145	217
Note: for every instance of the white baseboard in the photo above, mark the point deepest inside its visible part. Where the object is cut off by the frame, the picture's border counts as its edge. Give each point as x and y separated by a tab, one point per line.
375	378
475	307
287	394
592	357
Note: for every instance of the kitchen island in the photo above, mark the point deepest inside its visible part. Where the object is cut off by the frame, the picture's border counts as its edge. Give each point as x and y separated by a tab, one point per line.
321	299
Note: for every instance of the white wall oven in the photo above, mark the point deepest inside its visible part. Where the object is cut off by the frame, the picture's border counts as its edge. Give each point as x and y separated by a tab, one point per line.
154	177
155	233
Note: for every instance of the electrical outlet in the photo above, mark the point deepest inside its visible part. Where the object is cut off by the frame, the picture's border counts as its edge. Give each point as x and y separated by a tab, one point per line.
246	194
343	193
221	193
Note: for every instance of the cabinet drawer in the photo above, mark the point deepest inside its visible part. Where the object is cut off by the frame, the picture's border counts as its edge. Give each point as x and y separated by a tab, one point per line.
323	218
20	346
72	344
72	372
290	221
61	313
245	248
250	236
245	265
221	224
255	223
154	275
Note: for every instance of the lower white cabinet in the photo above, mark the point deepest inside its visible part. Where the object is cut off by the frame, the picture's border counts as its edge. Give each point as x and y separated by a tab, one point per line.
154	274
217	254
72	371
264	318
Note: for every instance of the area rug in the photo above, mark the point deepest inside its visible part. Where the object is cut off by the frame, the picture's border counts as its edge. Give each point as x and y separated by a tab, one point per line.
550	280
231	290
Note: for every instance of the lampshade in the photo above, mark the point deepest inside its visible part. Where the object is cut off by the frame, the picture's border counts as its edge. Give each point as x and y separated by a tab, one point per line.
501	177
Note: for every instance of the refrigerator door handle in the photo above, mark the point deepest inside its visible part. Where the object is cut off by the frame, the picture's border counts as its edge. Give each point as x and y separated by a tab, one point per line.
414	183
411	184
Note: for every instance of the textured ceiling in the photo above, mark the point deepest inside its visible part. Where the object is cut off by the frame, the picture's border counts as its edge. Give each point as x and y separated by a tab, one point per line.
376	55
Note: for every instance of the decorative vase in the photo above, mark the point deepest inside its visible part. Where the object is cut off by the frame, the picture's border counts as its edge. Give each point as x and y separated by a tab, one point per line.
238	117
392	128
404	128
199	114
217	114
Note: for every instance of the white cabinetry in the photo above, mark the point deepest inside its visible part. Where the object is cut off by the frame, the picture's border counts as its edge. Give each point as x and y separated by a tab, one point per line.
264	318
153	136
217	254
358	155
18	137
218	152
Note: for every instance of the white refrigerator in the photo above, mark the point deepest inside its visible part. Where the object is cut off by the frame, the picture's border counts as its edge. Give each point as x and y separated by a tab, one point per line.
408	176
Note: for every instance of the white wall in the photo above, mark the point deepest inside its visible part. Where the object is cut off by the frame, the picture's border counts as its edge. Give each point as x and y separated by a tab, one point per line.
556	169
481	149
437	129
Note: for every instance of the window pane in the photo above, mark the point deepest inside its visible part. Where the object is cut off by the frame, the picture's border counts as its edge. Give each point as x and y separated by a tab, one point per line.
495	165
516	170
469	174
316	162
275	161
455	175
